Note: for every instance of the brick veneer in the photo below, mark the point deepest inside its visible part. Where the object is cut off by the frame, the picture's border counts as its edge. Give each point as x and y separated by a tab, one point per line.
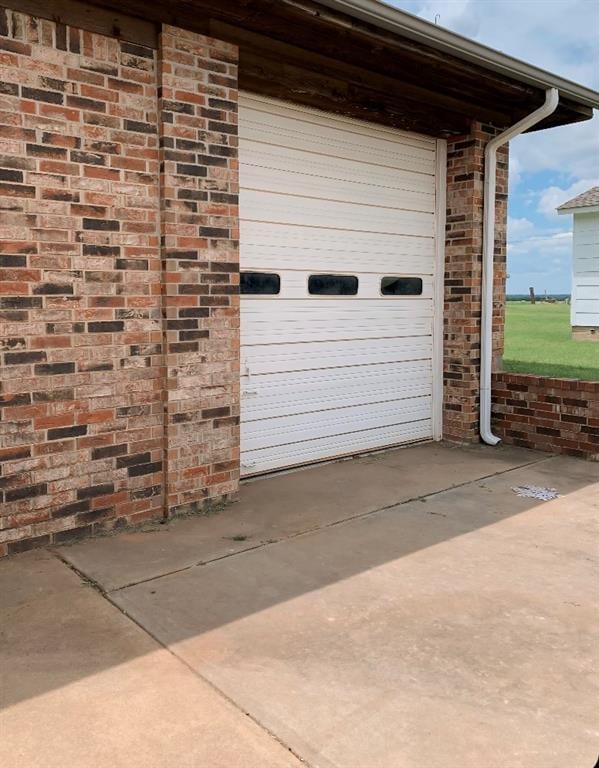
558	415
463	271
200	239
80	291
119	317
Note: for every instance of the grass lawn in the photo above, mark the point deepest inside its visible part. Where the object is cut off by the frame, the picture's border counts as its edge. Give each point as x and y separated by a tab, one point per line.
538	340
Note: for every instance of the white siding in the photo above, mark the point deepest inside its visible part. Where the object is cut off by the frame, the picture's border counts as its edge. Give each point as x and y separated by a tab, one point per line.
324	376
585	281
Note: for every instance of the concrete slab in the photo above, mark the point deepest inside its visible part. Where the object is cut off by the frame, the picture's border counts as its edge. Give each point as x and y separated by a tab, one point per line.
84	686
454	632
285	505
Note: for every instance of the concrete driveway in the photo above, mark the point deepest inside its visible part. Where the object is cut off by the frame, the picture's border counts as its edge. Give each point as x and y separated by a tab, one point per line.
404	610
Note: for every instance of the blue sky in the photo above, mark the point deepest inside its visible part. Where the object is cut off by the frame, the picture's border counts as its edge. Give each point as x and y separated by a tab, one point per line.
549	167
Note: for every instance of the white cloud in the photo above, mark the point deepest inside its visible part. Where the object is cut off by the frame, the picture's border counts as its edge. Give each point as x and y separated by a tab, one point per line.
519	228
571	149
558	35
553	249
553	196
541	261
515	174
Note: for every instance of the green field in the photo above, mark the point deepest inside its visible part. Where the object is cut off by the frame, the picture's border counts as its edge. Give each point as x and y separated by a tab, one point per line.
538	340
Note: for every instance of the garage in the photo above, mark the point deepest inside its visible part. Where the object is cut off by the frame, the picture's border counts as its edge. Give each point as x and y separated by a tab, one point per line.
341	293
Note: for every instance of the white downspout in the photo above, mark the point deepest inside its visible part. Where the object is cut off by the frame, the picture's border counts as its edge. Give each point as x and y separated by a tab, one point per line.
486	340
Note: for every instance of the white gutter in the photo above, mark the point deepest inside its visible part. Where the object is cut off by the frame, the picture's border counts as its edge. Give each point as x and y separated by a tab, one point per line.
486	340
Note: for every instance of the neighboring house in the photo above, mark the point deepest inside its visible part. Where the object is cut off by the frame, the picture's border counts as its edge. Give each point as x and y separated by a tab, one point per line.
585	263
334	153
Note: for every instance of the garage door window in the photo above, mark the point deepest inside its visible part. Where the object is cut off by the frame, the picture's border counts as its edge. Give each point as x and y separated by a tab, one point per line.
259	283
333	285
401	286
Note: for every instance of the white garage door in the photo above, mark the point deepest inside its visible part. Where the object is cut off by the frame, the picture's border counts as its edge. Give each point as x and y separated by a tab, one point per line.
340	305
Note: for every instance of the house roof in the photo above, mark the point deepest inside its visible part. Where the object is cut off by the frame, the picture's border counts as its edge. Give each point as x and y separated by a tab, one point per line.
408	25
588	199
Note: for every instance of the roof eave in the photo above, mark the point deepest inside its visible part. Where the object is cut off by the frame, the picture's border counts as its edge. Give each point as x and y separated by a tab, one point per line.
419	30
578	209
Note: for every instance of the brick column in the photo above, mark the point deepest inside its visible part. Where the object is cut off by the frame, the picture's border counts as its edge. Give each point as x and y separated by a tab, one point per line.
80	370
463	273
200	257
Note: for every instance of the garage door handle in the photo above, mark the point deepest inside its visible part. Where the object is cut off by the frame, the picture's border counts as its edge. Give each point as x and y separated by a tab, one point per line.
249	391
248	464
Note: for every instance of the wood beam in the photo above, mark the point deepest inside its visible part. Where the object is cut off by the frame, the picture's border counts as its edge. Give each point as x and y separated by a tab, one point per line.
272	77
427	59
380	87
89	17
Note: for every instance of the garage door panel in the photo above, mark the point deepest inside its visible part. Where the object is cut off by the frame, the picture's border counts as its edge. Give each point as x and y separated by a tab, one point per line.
366	244
319	166
294	334
274	259
322	309
337	139
278	358
305	211
322	375
292	393
310	330
268	459
309	426
297	113
386	156
305	321
347	376
278	246
284	182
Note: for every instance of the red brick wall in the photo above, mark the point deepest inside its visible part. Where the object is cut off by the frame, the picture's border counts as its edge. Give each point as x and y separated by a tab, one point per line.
463	271
103	257
80	291
198	134
557	415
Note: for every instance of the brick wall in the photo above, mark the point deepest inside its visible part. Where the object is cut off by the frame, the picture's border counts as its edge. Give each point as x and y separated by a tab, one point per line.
463	272
557	415
80	291
200	240
119	320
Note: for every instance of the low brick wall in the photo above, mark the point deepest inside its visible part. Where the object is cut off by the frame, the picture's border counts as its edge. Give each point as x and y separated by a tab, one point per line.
557	415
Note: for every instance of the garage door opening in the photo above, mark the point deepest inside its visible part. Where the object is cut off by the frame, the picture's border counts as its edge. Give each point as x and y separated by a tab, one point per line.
341	241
